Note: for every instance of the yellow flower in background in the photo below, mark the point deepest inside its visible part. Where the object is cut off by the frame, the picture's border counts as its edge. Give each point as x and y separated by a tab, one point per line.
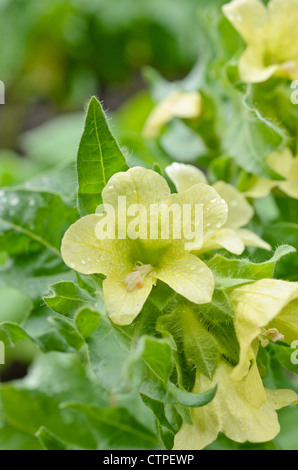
271	37
132	266
264	310
283	164
231	235
242	410
177	104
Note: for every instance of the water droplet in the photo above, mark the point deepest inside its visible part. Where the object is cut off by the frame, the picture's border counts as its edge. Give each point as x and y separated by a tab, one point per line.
14	201
213	200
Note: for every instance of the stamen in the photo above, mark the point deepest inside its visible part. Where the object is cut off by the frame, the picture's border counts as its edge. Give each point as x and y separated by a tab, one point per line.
274	335
270	335
289	66
135	279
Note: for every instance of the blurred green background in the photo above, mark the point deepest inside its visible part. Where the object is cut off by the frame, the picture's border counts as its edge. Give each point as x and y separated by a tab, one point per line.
55	55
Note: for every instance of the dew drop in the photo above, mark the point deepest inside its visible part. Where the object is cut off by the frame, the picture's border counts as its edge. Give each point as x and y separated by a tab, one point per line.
14	201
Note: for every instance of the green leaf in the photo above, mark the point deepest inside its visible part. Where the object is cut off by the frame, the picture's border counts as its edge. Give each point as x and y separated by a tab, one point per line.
117	428
15	305
99	157
198	345
193	400
68	331
67	298
156	353
285	354
287	439
32	224
11	333
233	272
108	349
249	137
57	378
31	221
87	321
49	441
219	309
285	232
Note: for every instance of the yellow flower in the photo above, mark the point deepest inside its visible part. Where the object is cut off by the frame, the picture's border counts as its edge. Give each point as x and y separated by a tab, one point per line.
264	310
242	410
176	104
271	37
231	236
283	164
132	266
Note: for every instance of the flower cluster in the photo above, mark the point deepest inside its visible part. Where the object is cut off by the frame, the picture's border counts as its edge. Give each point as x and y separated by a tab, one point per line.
270	35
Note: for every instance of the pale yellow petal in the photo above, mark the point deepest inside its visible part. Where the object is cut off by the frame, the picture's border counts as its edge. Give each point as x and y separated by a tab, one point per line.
243	411
240	211
290	188
248	17
184	176
252	68
281	162
294	169
177	104
281	398
249	238
287	322
261	188
256	305
138	185
213	207
188	276
224	238
122	305
85	253
283	16
201	434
